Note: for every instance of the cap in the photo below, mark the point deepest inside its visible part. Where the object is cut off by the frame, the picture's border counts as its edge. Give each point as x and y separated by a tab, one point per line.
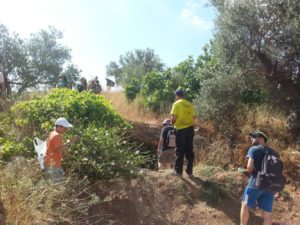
179	93
167	122
258	133
63	122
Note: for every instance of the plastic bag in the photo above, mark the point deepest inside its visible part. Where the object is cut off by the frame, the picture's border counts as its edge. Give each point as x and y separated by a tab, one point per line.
40	148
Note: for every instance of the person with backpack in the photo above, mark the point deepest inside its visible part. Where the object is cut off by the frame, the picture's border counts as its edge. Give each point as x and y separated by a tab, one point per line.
183	115
166	145
55	149
266	178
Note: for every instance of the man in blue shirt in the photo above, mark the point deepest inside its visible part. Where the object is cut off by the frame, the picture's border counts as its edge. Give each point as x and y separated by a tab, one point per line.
253	195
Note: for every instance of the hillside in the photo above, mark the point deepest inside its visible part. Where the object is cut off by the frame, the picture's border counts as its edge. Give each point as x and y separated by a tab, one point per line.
212	197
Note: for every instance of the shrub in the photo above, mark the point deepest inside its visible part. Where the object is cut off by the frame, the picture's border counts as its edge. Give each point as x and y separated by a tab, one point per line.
225	98
103	150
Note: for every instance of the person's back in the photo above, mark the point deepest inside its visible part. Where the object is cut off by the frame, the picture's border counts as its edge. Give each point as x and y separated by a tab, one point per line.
253	195
257	152
185	113
165	152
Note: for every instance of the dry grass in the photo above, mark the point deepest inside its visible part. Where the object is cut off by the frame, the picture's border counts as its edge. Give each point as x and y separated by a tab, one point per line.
132	111
30	199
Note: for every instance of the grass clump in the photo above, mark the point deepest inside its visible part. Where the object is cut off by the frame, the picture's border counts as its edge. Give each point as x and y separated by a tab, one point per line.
29	199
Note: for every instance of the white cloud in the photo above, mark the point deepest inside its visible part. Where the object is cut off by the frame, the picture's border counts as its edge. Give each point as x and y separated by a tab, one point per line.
190	15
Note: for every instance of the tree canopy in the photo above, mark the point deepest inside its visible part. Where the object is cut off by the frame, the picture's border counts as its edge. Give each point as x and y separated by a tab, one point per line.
134	64
263	36
39	60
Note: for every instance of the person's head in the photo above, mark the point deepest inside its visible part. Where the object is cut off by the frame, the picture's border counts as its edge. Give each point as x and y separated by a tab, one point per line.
62	125
179	94
167	122
259	137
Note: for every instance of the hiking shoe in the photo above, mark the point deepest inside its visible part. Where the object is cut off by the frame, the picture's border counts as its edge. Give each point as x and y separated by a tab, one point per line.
174	173
190	175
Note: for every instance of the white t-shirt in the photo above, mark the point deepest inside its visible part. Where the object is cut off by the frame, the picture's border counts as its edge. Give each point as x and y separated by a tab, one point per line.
1	78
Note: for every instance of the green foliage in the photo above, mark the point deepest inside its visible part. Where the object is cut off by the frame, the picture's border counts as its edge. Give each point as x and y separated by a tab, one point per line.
225	98
135	64
158	90
81	109
103	153
103	150
36	62
132	89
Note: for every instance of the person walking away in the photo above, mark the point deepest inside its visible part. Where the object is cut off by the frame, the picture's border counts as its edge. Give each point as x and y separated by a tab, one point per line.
166	146
254	195
183	117
55	149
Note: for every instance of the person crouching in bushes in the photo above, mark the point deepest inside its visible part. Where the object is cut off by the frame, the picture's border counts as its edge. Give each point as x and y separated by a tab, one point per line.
166	146
55	149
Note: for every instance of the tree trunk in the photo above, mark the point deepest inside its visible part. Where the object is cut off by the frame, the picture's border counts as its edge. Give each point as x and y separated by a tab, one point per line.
286	92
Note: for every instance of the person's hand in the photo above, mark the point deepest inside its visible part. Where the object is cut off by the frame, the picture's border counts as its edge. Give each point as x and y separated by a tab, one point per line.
74	139
276	195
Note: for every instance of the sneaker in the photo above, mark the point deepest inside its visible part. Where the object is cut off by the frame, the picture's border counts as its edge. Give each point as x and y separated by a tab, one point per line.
174	173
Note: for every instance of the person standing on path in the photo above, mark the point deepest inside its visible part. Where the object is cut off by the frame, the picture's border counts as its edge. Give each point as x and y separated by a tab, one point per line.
183	116
252	194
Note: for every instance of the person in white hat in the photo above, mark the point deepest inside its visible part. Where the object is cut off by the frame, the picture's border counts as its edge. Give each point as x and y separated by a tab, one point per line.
55	149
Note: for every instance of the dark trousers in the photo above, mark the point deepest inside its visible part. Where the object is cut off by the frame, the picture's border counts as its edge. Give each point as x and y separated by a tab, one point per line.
184	148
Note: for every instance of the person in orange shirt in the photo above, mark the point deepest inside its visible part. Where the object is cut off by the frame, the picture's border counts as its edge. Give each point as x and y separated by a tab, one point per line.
55	149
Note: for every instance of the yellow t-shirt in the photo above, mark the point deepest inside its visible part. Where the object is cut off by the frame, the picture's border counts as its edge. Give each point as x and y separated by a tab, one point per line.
184	112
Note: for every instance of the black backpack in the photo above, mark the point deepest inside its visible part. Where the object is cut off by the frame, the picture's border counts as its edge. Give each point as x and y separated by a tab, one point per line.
270	177
171	138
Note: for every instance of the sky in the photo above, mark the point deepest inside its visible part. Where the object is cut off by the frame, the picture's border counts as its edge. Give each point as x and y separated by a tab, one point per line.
99	31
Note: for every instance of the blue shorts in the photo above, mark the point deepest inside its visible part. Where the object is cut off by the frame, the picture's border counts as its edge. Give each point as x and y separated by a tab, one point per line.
264	199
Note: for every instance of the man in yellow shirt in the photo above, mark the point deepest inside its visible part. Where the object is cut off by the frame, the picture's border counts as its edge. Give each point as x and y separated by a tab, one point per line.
183	117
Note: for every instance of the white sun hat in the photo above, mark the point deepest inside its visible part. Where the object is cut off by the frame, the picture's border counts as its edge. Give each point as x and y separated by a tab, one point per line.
63	122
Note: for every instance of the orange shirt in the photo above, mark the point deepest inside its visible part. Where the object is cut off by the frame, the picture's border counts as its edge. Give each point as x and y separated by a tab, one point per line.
54	155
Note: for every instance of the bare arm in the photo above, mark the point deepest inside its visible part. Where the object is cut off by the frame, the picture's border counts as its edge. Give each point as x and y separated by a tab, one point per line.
250	165
160	143
173	118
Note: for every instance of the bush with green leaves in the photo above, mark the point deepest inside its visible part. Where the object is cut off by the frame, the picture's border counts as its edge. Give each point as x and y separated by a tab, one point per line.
225	98
103	150
132	89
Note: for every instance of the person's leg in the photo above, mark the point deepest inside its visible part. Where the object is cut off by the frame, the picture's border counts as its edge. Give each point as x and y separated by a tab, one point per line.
267	218
244	216
249	199
179	152
189	153
265	202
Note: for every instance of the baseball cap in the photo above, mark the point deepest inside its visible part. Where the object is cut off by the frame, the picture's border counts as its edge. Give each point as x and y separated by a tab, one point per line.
256	134
167	122
63	122
179	93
